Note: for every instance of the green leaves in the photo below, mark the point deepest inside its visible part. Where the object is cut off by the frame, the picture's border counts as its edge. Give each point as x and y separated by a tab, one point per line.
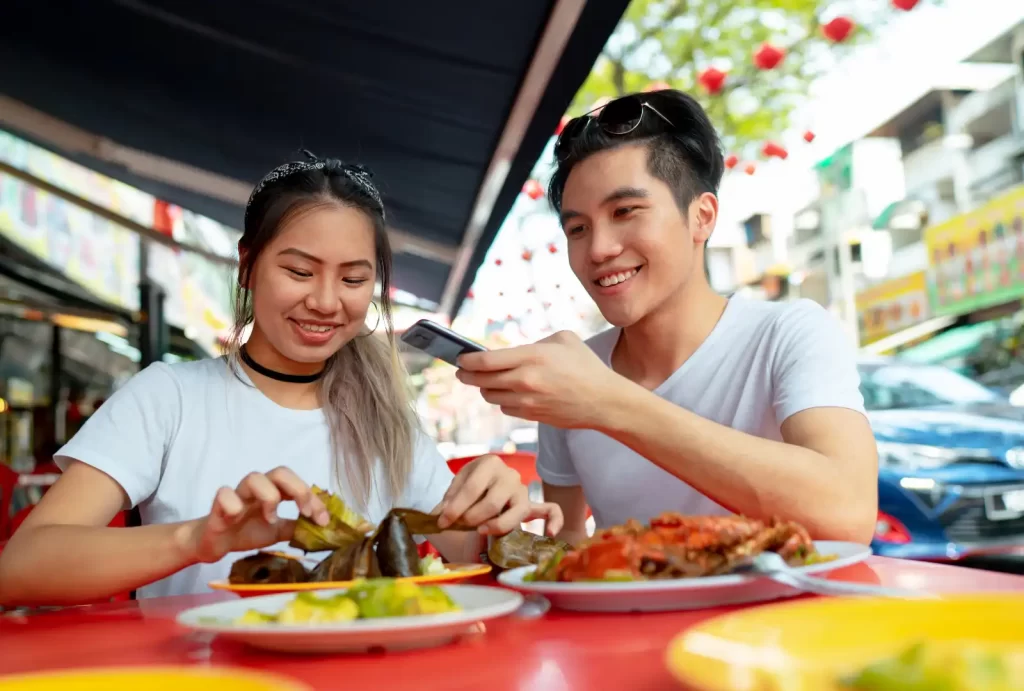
674	40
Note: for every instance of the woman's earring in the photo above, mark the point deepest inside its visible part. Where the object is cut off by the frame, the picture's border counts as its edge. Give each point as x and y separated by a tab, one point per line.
371	331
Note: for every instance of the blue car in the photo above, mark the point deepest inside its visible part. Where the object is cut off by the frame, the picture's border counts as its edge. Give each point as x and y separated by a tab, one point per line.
951	463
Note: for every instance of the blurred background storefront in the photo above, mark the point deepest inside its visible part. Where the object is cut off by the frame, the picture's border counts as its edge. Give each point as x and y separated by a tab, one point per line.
75	314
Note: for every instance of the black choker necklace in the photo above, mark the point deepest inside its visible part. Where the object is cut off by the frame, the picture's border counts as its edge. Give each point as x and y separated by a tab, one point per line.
279	376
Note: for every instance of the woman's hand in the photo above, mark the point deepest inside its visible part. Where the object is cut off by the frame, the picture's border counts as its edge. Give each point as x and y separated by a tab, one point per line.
489	494
246	517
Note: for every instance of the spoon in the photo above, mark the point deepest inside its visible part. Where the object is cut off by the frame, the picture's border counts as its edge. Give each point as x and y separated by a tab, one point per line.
773	566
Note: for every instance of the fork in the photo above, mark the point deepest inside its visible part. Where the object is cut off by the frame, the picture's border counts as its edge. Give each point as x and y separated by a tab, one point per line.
771	565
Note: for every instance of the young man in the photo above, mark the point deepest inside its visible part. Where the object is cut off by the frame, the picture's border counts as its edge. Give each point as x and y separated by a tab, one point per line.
693	402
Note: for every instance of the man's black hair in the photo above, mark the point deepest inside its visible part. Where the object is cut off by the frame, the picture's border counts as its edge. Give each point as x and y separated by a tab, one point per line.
686	156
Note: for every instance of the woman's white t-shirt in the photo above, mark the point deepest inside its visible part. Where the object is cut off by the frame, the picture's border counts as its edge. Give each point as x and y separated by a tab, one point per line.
175	434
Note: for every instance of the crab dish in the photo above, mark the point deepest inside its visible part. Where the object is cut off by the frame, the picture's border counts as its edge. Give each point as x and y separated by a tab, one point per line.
676	546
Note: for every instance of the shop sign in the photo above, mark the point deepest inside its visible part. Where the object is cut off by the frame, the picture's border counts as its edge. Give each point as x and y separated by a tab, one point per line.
976	260
889	307
98	255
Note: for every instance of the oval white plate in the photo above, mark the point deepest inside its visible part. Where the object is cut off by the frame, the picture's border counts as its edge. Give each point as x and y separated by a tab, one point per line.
677	594
479	604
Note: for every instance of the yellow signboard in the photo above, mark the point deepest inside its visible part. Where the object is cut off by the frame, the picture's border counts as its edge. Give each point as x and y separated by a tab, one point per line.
976	260
890	307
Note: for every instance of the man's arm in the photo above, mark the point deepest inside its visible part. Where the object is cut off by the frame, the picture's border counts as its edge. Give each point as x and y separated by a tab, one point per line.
574	511
824	474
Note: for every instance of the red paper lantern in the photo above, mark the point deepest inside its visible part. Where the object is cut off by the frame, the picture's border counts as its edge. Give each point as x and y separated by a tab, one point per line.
839	29
497	262
469	295
527	255
808	136
657	86
768	56
905	5
533	189
561	124
731	160
749	169
712	80
553	248
771	149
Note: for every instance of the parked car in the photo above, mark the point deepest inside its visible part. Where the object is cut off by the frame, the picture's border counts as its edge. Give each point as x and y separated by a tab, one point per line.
951	462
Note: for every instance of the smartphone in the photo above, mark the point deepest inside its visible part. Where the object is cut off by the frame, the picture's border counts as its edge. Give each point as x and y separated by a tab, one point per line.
434	339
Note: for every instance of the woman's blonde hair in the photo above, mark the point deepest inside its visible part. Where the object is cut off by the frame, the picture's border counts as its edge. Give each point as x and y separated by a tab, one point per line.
363	392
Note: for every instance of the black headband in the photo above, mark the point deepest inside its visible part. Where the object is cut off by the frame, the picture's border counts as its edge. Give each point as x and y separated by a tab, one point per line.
357	174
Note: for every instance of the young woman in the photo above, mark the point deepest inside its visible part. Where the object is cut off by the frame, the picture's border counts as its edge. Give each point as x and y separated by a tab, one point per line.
219	455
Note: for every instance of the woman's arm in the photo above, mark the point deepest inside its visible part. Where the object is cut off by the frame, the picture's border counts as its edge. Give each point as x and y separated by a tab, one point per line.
63	553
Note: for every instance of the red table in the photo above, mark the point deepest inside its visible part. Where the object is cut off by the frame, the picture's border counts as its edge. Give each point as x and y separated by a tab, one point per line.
558	652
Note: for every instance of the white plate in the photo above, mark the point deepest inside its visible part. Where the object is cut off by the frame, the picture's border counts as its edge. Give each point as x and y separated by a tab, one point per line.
479	604
677	594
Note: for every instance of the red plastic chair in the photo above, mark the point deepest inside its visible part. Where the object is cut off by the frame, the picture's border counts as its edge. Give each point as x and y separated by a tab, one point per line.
524	462
8	483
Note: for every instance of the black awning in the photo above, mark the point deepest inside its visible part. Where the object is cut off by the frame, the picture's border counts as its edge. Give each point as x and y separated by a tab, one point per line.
420	92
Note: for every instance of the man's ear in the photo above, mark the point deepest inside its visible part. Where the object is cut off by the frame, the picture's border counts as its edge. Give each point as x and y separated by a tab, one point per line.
704	216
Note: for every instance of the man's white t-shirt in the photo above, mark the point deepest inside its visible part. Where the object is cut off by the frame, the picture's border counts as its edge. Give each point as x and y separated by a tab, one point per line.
762	363
175	434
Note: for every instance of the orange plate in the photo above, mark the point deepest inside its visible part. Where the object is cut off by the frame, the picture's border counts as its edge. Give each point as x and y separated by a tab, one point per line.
151	679
455	573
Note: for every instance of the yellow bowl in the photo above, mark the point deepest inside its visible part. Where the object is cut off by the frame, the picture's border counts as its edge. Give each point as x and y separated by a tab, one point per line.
151	679
455	573
811	644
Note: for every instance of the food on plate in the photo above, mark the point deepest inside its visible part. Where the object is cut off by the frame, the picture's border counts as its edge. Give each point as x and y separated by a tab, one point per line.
396	548
676	546
357	548
344	526
432	566
390	598
267	567
349	562
520	548
371	599
947	666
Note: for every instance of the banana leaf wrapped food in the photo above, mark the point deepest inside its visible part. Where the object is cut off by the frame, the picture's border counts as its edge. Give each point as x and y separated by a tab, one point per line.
265	567
520	548
347	563
396	548
358	550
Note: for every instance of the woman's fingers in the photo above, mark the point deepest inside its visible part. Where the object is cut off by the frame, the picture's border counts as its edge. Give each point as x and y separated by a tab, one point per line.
292	487
258	488
514	513
489	506
227	510
476	480
550	513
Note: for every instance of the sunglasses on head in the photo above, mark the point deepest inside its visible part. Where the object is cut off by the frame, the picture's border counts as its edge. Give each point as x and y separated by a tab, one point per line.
619	117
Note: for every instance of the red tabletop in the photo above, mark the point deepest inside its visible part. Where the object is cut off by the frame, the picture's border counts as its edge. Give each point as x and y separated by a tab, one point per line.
559	651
